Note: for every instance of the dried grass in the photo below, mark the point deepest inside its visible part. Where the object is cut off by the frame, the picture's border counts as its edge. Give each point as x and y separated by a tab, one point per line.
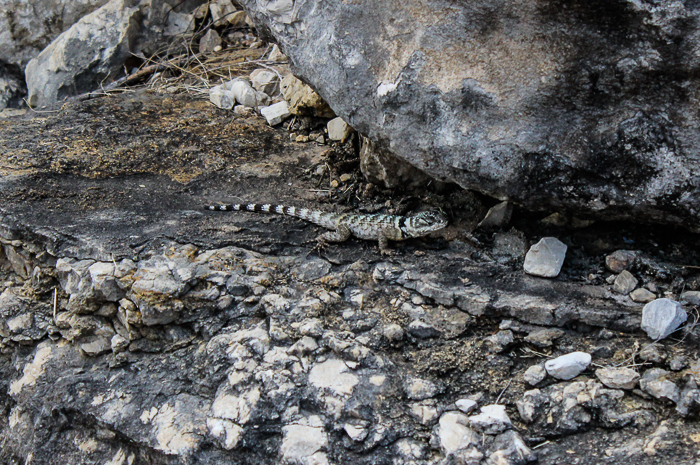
179	67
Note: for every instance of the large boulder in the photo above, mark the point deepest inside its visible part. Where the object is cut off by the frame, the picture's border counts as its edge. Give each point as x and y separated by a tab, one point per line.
91	51
587	106
26	28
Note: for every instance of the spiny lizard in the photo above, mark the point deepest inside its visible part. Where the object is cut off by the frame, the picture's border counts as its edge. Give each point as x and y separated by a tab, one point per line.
377	227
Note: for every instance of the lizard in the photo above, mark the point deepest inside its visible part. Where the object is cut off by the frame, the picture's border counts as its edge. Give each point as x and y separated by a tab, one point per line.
342	226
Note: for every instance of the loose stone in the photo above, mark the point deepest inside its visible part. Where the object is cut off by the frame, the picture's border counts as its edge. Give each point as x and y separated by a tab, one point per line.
642	295
221	97
265	81
625	282
454	434
692	297
654	382
568	366
620	260
662	317
466	405
209	41
338	129
498	216
276	113
500	341
544	337
535	374
493	419
545	258
618	378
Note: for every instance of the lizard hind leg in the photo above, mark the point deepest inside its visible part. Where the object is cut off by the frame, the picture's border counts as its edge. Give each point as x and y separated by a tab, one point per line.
384	246
341	234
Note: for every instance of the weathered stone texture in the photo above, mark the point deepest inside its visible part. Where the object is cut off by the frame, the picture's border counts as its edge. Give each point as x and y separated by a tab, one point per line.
589	106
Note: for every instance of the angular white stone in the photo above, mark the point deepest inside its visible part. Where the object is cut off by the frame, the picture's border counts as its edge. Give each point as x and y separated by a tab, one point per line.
245	94
300	442
333	375
661	317
466	405
221	97
493	419
568	366
545	258
276	54
355	432
454	434
236	408
276	113
226	431
338	129
265	81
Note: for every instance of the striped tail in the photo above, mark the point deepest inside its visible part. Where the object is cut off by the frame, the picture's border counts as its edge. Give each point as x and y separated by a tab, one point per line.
327	220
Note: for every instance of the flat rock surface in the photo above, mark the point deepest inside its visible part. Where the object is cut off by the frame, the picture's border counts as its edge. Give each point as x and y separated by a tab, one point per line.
139	327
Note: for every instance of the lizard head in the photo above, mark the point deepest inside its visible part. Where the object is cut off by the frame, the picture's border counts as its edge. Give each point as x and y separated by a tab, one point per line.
424	223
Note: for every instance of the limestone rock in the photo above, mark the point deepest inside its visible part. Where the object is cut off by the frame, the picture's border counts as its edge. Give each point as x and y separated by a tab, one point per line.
276	54
598	139
302	99
500	341
222	97
545	258
178	24
661	317
544	337
275	113
221	11
266	81
245	94
565	408
466	405
338	129
304	443
510	449
419	389
568	366
92	50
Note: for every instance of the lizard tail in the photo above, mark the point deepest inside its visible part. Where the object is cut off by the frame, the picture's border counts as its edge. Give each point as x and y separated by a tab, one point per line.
314	216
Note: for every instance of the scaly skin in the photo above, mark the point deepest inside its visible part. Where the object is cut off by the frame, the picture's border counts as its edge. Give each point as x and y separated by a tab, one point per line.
381	228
